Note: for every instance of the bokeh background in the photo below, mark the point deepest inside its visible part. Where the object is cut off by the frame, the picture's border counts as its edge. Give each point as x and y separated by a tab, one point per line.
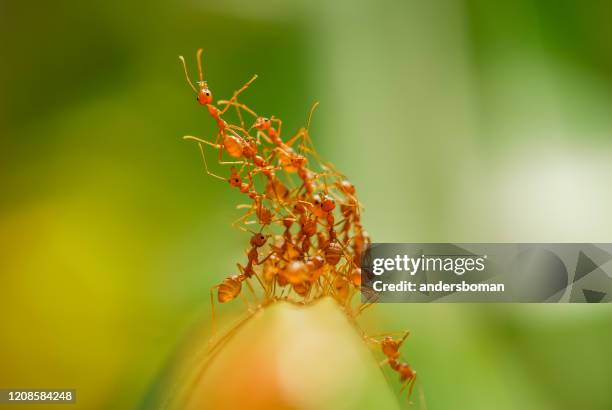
457	121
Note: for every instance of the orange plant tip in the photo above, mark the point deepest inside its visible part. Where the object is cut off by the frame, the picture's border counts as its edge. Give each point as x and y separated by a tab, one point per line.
285	357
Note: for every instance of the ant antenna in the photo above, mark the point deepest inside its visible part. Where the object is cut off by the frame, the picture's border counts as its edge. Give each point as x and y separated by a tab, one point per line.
404	338
187	74
252	232
200	71
312	110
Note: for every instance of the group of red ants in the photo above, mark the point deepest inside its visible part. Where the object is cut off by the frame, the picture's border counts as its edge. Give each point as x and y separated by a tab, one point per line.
310	221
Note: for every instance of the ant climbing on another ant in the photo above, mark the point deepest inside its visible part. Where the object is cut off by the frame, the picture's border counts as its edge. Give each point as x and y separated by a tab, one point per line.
308	209
231	141
204	95
289	159
263	125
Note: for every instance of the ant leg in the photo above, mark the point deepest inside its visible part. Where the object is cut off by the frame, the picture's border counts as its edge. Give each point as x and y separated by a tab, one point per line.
237	222
200	140
200	146
214	318
218	137
329	284
306	145
340	222
283	289
237	93
233	163
221	162
238	105
273	293
237	128
241	269
406	334
280	125
372	341
410	384
264	136
399	332
382	364
220	156
246	302
265	259
240	118
363	307
262	286
303	133
206	165
297	136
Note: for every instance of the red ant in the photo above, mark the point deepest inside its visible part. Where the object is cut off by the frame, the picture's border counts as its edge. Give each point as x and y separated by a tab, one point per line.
263	125
390	348
204	95
323	207
232	142
285	247
231	286
290	161
308	228
302	275
265	216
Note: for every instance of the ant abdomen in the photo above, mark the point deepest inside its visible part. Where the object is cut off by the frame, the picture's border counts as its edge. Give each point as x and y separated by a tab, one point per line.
229	289
333	253
233	145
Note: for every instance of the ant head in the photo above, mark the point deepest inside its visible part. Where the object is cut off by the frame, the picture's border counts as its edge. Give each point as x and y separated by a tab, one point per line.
234	179
203	94
258	240
262	123
298	161
327	203
388	340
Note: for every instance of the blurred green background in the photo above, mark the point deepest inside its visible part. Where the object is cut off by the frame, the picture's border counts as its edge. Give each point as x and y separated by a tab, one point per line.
457	121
